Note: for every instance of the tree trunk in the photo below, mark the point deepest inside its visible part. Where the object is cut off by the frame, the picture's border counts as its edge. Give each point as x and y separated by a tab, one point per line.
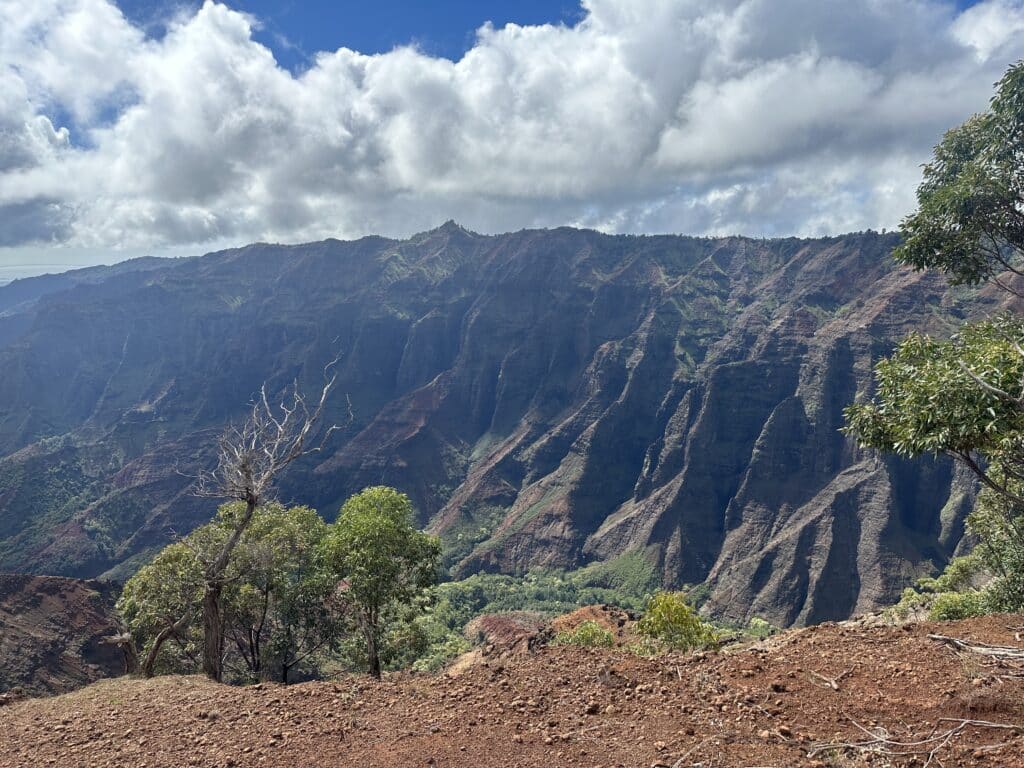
373	653
159	640
126	643
213	633
213	618
131	656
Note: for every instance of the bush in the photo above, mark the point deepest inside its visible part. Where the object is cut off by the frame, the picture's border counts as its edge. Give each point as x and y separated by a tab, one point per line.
949	606
589	634
758	627
672	622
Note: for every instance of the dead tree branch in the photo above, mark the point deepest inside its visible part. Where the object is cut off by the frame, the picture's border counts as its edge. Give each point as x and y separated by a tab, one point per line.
830	682
249	458
995	651
880	742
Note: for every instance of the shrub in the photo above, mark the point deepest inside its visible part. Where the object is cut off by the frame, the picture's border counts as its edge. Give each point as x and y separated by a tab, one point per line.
671	621
948	606
589	634
758	627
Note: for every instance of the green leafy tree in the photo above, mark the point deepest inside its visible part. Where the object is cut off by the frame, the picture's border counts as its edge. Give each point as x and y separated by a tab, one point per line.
671	621
385	563
969	222
160	603
249	459
280	611
278	601
964	397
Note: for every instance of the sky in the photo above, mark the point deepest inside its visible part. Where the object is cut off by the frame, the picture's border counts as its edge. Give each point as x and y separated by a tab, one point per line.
170	128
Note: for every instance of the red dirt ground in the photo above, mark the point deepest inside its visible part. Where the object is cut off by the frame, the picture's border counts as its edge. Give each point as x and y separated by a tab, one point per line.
764	705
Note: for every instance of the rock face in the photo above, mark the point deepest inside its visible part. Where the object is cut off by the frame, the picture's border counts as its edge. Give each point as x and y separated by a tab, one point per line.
51	632
547	398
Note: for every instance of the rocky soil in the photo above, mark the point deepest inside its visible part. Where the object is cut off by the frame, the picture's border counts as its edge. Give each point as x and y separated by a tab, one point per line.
51	633
780	702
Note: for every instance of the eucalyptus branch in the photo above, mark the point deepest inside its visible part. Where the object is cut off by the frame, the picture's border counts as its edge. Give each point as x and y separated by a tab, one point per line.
992	390
973	465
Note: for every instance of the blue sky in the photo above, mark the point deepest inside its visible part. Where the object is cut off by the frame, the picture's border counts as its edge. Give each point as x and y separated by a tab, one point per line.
295	30
131	127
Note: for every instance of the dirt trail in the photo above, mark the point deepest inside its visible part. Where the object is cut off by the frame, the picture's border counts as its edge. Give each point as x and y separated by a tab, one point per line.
767	705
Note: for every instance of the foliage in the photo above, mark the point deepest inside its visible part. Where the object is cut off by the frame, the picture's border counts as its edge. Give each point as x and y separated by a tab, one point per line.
589	634
672	622
384	562
156	598
423	630
965	397
277	602
282	609
949	606
624	582
989	579
631	576
961	397
968	223
759	628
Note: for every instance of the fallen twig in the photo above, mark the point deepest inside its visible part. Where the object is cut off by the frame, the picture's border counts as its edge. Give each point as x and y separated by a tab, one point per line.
691	750
995	651
879	740
831	682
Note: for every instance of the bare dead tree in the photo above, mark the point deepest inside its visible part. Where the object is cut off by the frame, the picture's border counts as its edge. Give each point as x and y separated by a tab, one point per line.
249	457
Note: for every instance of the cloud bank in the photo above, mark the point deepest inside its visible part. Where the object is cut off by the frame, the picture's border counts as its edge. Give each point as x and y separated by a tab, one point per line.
760	117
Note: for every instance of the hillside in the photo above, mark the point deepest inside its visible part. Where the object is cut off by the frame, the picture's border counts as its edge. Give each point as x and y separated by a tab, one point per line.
784	701
51	632
547	398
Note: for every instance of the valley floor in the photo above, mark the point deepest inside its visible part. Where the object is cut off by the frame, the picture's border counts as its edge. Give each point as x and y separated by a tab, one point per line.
772	704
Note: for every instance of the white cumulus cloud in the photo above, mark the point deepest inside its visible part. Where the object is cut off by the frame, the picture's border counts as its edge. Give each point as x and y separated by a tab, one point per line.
751	116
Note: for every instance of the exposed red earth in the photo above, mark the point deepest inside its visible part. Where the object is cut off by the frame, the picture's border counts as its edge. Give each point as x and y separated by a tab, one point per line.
779	702
51	634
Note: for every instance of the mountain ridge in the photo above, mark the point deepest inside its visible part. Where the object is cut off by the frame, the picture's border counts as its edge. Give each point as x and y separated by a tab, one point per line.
547	398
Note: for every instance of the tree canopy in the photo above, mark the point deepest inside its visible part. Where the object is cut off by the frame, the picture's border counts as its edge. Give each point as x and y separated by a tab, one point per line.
278	603
969	222
964	397
383	560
